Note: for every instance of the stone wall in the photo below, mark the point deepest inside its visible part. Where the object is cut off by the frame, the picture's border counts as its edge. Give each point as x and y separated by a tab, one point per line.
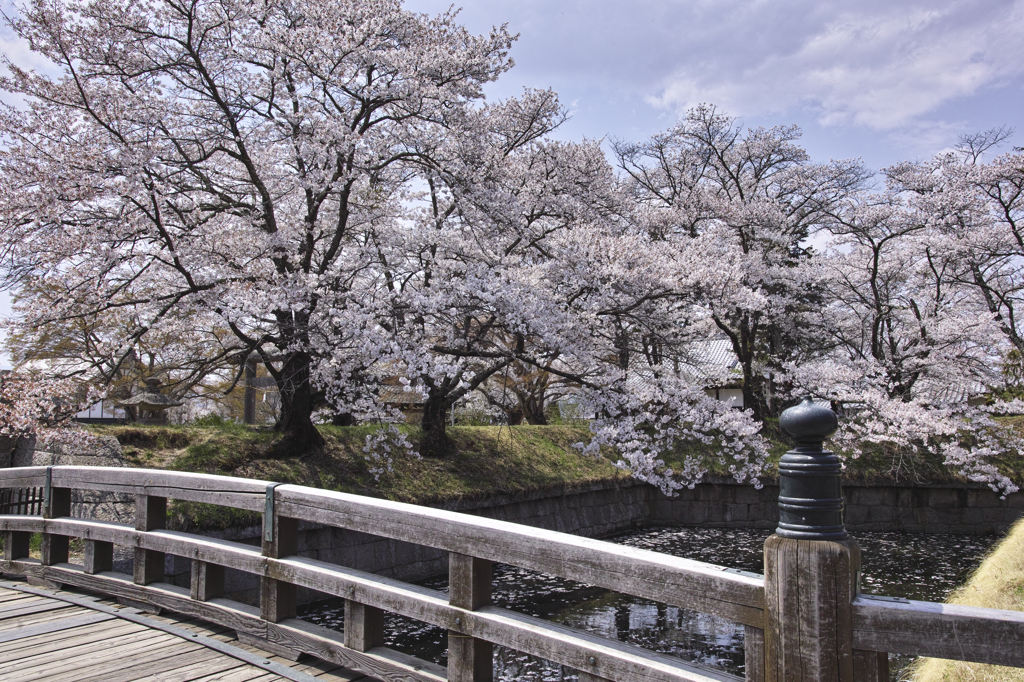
945	509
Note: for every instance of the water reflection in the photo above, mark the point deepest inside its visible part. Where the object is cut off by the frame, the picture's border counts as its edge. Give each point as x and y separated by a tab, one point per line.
911	565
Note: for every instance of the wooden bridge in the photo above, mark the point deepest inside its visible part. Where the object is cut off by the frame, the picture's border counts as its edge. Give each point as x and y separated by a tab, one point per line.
839	634
62	636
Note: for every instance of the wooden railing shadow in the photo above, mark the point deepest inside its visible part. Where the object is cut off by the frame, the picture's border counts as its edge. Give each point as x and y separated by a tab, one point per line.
809	624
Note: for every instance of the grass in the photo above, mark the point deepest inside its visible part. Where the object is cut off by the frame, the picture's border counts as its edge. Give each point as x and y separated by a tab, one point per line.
998	583
485	461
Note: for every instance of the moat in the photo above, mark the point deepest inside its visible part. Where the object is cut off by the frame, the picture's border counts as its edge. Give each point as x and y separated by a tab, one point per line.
910	565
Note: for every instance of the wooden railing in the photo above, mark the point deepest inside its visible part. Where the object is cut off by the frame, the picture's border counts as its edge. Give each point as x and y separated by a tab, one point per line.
474	543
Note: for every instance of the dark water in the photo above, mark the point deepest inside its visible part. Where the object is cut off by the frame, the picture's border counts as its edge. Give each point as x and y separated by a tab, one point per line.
909	565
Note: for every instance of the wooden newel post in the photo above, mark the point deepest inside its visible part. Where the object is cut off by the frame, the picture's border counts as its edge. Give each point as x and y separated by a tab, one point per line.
280	539
811	564
56	503
150	514
469	587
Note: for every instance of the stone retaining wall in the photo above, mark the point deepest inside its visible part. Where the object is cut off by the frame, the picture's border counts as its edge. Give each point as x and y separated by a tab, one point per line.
972	511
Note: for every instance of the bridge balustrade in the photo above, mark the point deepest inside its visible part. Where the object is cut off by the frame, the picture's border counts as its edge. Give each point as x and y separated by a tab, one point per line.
871	626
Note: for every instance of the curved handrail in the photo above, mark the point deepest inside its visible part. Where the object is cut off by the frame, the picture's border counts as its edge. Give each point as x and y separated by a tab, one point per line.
681	582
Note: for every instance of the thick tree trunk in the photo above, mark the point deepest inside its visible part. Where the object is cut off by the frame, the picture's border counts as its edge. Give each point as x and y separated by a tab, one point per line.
533	411
300	436
435	441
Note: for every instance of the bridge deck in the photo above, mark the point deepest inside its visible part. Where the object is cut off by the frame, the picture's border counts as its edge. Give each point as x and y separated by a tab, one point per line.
74	637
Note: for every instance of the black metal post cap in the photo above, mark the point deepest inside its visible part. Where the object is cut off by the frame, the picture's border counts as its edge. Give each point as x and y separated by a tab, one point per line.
810	491
808	423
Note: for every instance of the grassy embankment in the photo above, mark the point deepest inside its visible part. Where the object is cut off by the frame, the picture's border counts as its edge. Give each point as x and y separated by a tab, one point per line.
485	461
998	583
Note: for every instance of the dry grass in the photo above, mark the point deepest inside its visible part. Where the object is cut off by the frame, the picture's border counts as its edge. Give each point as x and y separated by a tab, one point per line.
998	583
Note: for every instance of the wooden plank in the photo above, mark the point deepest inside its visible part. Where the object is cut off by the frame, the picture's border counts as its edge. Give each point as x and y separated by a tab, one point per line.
962	633
245	674
63	628
23	477
47	629
162	664
16	545
327	670
26	609
54	548
70	655
35	619
28	524
186	672
88	639
181	598
240	493
469	587
870	666
753	654
659	577
10	597
278	598
150	514
142	654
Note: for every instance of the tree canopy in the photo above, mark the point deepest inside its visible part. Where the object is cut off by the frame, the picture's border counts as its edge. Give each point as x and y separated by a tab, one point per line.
325	185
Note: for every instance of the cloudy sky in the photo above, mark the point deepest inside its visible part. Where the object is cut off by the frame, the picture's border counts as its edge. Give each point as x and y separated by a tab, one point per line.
877	79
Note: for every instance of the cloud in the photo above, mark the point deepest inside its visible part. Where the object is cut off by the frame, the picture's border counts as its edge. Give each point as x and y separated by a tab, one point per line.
879	66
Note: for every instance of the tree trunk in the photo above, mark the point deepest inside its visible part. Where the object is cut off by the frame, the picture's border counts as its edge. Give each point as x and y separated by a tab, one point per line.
533	411
753	393
343	419
435	441
300	436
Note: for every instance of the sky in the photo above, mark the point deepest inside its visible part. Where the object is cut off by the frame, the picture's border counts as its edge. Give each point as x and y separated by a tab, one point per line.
880	80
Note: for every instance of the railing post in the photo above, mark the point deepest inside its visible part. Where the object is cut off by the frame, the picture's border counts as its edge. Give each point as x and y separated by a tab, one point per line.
56	503
811	564
469	587
364	626
280	539
99	556
16	545
207	581
150	514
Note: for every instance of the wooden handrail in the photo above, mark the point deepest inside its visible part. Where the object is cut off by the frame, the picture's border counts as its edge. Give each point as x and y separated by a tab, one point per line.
921	628
672	580
878	624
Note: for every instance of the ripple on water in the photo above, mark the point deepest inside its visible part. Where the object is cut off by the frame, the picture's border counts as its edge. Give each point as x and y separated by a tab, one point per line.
910	565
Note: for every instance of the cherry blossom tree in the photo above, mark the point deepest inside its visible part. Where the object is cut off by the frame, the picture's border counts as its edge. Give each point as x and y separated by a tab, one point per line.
905	345
31	405
761	197
225	164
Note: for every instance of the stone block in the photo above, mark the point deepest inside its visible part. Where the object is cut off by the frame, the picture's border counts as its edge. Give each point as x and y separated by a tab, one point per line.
856	514
942	498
